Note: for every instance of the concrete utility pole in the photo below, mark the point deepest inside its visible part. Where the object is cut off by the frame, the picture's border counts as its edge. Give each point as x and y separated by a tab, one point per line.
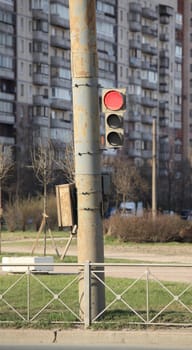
84	67
154	172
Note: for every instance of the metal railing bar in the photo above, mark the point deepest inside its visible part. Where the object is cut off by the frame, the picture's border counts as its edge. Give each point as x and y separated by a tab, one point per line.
185	306
134	311
69	309
13	284
42	309
13	309
162	310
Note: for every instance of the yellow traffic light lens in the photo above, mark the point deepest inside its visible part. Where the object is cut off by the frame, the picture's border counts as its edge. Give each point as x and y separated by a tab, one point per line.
114	121
113	100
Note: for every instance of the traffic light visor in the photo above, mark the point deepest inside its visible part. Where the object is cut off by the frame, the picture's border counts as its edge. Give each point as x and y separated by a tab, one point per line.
113	100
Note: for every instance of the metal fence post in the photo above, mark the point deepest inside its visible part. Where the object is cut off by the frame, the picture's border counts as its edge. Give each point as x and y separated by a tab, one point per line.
28	293
147	294
87	294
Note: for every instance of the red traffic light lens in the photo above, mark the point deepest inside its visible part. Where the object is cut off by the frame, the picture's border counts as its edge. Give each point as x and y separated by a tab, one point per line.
113	100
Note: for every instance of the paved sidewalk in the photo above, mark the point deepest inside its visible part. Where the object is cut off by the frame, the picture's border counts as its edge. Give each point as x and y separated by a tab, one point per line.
170	338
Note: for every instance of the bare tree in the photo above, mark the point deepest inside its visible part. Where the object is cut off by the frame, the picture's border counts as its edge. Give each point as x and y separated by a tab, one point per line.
128	183
65	163
6	165
43	166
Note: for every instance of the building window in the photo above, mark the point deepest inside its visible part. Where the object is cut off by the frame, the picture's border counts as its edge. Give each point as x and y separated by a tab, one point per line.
22	23
30	26
30	47
22	89
121	15
22	67
121	71
22	45
30	69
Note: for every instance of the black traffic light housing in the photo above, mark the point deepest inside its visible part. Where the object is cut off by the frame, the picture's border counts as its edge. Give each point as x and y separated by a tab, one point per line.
113	107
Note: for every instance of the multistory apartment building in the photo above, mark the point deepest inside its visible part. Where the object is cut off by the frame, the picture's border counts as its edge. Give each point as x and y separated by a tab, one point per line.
139	47
7	73
150	65
186	10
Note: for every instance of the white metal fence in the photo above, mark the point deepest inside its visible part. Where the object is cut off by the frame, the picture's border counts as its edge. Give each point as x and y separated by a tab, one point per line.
148	294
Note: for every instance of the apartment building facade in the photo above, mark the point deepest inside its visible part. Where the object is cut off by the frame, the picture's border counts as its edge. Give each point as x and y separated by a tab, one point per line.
150	65
139	47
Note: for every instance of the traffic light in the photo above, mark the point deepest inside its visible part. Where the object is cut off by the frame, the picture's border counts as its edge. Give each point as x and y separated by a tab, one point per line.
113	107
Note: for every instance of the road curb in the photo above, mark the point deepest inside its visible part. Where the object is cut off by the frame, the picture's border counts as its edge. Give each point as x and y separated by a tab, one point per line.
172	338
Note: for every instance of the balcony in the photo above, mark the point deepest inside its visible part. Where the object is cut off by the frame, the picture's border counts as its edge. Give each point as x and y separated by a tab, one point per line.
134	135
39	14
135	62
149	30
59	21
62	2
163	122
165	10
146	154
6	96
164	20
40	100
149	13
40	36
134	153
58	82
134	116
58	41
57	61
178	59
163	105
40	79
146	119
39	57
164	71
164	37
134	44
147	48
40	120
149	102
59	103
7	73
146	84
58	123
135	7
134	26
164	88
7	29
164	53
5	140
134	80
134	98
147	136
164	63
145	65
7	118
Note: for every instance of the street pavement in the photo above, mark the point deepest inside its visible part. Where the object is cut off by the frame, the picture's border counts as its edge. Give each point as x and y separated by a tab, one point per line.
151	338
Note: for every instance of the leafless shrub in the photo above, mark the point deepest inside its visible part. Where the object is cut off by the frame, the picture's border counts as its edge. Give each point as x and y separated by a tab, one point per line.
145	229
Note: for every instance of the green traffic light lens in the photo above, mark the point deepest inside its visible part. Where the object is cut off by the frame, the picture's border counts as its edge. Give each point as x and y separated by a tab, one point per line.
115	139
